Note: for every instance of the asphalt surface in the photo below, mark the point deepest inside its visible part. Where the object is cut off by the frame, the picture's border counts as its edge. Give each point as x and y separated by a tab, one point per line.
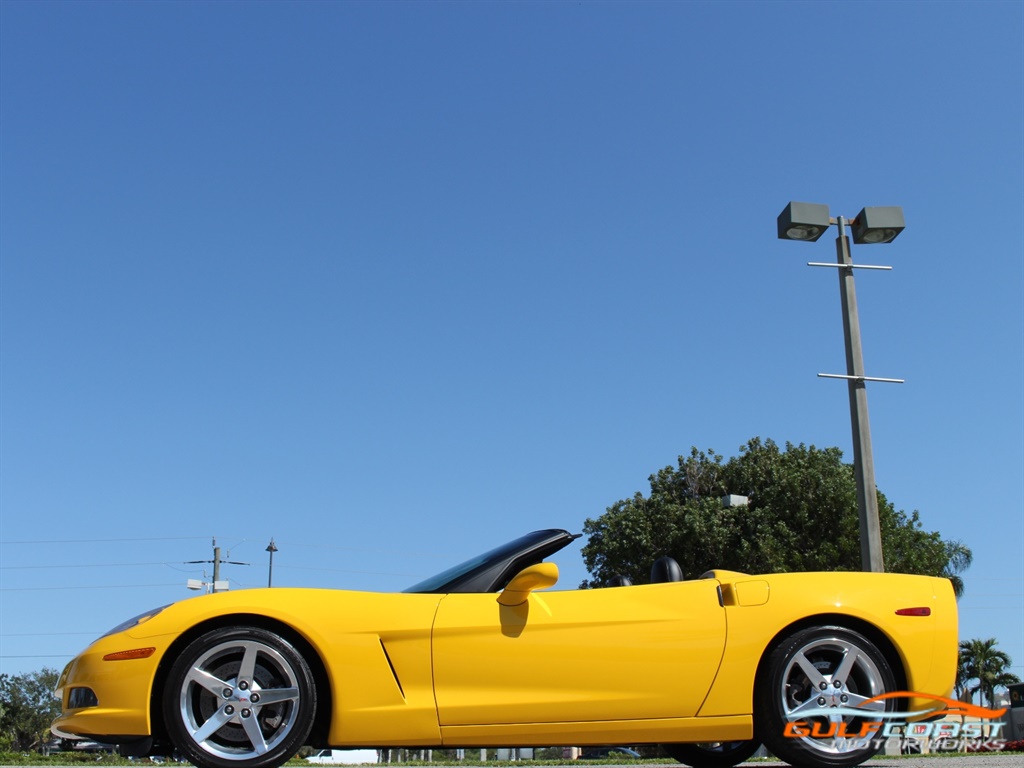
990	760
987	760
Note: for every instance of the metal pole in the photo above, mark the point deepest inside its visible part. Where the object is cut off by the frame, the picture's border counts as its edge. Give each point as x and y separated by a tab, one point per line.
863	459
271	548
216	565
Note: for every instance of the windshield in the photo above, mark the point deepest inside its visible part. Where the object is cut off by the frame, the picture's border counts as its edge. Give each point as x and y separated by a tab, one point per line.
506	553
451	574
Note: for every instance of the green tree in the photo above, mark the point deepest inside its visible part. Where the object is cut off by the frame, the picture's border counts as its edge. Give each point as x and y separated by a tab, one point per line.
27	707
987	667
801	516
960	683
959	560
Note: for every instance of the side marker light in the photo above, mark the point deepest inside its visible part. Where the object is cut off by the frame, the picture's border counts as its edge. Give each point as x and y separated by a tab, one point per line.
135	653
914	612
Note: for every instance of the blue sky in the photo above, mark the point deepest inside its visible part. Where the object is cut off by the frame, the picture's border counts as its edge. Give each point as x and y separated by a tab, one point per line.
392	283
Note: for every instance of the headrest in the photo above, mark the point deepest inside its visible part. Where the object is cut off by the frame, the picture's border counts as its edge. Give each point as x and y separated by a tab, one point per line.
619	581
666	569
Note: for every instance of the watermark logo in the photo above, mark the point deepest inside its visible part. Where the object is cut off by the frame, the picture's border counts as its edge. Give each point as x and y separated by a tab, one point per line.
869	724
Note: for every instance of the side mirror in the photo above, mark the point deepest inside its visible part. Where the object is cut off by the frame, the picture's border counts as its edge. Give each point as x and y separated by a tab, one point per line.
539	576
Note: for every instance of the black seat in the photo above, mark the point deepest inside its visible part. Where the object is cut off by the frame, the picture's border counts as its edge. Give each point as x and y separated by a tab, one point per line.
665	569
619	581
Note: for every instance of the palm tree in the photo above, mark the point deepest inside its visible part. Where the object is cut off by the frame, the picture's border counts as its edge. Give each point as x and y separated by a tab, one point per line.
958	559
960	685
983	662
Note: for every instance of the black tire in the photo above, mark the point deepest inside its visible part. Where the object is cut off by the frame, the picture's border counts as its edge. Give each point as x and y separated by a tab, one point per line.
719	754
817	669
239	697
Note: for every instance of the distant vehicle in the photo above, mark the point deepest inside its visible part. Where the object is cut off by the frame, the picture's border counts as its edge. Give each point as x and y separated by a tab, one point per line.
484	653
614	753
343	757
88	745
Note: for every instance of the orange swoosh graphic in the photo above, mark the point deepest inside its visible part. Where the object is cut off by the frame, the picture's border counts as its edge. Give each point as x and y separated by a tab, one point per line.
952	706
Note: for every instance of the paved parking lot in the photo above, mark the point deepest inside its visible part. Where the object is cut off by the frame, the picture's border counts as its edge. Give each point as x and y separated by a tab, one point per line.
990	760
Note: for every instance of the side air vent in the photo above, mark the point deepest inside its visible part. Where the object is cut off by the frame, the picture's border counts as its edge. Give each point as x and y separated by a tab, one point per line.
392	667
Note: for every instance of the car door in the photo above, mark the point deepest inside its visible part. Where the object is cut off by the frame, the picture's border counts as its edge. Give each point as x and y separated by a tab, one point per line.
597	654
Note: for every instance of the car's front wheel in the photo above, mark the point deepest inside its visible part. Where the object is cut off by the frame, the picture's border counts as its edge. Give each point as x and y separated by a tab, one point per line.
718	754
814	704
239	697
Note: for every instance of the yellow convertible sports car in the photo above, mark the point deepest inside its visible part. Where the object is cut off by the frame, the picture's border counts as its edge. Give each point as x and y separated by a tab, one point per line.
481	655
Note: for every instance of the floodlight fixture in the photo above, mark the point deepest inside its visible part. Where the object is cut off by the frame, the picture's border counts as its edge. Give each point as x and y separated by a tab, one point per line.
877	225
803	221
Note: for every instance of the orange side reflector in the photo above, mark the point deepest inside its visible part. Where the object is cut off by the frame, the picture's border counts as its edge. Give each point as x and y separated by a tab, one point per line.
914	612
136	653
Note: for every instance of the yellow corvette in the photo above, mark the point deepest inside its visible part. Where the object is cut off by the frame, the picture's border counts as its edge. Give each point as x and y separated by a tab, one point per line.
481	655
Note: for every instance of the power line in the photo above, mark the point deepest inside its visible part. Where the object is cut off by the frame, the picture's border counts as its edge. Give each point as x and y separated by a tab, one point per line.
96	541
88	565
88	586
47	634
39	656
290	544
367	550
345	570
982	607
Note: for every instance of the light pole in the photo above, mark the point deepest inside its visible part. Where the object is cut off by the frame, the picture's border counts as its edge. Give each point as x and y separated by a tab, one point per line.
271	548
808	222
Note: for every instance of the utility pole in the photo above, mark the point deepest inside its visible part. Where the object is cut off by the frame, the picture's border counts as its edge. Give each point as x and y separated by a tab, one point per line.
216	585
216	565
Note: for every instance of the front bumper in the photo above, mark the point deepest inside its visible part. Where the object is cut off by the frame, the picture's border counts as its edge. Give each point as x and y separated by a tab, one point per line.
108	697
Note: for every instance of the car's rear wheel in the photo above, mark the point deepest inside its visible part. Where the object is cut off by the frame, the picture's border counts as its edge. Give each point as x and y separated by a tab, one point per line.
239	697
818	682
717	754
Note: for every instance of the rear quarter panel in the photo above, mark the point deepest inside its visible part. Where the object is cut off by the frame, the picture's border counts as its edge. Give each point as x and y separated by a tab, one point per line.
760	610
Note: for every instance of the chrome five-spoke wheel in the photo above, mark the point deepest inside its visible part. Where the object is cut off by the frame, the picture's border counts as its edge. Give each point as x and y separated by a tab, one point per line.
814	702
240	698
